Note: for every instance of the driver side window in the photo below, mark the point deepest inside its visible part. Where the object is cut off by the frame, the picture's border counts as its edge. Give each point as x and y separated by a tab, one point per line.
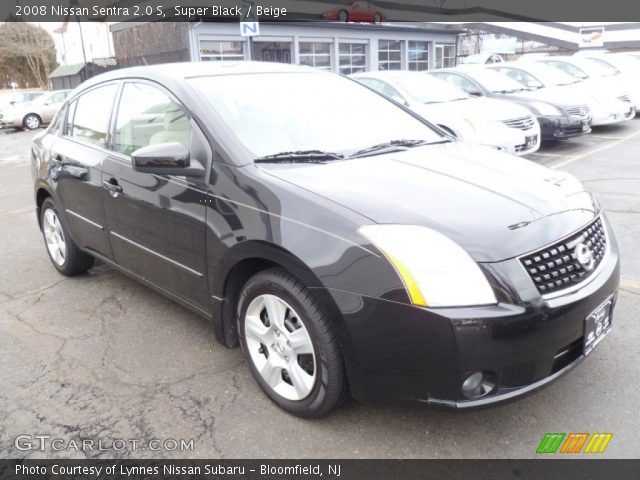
148	116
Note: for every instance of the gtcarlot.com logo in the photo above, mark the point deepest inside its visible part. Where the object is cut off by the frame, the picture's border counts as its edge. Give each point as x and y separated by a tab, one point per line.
574	443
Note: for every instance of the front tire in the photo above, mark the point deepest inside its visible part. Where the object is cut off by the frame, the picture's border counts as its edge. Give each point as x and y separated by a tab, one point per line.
31	121
343	16
289	345
63	252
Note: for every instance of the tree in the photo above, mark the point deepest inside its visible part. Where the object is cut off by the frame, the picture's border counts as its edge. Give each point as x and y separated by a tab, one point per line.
27	54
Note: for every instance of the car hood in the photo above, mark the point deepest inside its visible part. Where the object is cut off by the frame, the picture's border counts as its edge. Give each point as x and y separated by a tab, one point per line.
494	205
558	96
455	112
548	95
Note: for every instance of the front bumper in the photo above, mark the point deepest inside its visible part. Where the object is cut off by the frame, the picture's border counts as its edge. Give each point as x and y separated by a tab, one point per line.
7	122
510	140
556	127
607	116
403	354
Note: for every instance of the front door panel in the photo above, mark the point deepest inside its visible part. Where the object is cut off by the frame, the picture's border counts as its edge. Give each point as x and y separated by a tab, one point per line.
157	229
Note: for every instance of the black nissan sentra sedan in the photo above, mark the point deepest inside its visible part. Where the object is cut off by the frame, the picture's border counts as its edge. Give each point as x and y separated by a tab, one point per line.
349	247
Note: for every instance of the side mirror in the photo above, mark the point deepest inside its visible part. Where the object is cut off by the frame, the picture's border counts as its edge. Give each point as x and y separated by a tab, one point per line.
534	84
474	92
166	159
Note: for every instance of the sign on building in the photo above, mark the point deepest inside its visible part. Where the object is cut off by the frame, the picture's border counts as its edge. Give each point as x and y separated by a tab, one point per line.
592	37
249	29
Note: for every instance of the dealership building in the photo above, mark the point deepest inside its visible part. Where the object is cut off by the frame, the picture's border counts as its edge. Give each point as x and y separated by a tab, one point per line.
335	46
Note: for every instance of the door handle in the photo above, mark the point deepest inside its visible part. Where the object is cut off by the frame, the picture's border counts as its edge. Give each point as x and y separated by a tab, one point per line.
112	185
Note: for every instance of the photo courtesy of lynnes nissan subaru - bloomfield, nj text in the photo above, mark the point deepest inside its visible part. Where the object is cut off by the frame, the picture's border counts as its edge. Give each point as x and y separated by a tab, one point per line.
351	248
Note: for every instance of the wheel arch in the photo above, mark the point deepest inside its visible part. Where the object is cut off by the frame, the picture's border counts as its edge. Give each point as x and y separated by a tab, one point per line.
244	261
42	193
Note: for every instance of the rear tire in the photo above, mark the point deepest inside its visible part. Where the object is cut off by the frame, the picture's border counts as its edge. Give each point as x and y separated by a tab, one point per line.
65	255
289	345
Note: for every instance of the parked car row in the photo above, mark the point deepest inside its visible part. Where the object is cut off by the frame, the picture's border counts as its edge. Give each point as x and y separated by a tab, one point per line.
515	106
31	110
349	246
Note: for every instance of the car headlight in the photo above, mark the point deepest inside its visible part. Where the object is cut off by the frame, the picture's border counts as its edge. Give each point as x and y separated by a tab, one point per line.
545	108
435	270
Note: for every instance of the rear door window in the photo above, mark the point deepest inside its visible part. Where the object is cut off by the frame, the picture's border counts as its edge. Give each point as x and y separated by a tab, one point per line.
90	122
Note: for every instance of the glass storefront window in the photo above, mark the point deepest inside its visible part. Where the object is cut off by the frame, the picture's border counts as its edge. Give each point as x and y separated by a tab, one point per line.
212	50
279	52
418	55
315	54
390	55
353	58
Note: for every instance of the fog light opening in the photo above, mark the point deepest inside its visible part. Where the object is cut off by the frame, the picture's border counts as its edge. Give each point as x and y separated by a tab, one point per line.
478	384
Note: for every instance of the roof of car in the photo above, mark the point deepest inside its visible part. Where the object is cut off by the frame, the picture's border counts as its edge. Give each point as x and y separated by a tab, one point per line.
197	69
171	72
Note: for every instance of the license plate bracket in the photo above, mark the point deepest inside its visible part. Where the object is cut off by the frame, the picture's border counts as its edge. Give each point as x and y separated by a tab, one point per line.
531	140
597	325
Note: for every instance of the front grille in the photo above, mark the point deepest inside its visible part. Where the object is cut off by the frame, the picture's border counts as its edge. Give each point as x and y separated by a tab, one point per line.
579	110
522	123
556	267
625	98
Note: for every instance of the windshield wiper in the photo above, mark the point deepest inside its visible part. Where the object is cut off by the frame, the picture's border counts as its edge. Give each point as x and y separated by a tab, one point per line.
509	91
308	156
393	146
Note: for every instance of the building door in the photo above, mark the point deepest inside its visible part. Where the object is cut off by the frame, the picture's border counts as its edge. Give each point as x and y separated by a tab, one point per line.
445	55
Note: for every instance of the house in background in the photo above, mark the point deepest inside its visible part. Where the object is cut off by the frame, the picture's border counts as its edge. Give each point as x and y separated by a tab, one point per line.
70	76
78	42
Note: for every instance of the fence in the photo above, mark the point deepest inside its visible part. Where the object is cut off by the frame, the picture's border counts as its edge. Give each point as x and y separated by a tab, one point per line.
470	42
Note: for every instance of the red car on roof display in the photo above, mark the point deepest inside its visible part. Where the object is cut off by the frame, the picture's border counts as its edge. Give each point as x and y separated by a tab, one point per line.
357	11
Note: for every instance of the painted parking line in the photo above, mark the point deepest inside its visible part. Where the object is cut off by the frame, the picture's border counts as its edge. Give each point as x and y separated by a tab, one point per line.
606	137
630	283
538	154
588	153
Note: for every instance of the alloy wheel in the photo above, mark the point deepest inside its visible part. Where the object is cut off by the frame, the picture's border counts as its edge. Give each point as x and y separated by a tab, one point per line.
54	237
280	347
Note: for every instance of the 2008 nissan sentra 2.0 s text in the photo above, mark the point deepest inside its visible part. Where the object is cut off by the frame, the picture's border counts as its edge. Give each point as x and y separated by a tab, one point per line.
350	248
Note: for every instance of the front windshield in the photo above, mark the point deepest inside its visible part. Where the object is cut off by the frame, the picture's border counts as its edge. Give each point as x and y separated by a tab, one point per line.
609	67
427	89
549	75
595	69
495	82
271	113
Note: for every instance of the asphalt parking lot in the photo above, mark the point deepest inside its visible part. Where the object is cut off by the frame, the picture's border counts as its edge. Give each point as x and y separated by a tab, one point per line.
102	357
